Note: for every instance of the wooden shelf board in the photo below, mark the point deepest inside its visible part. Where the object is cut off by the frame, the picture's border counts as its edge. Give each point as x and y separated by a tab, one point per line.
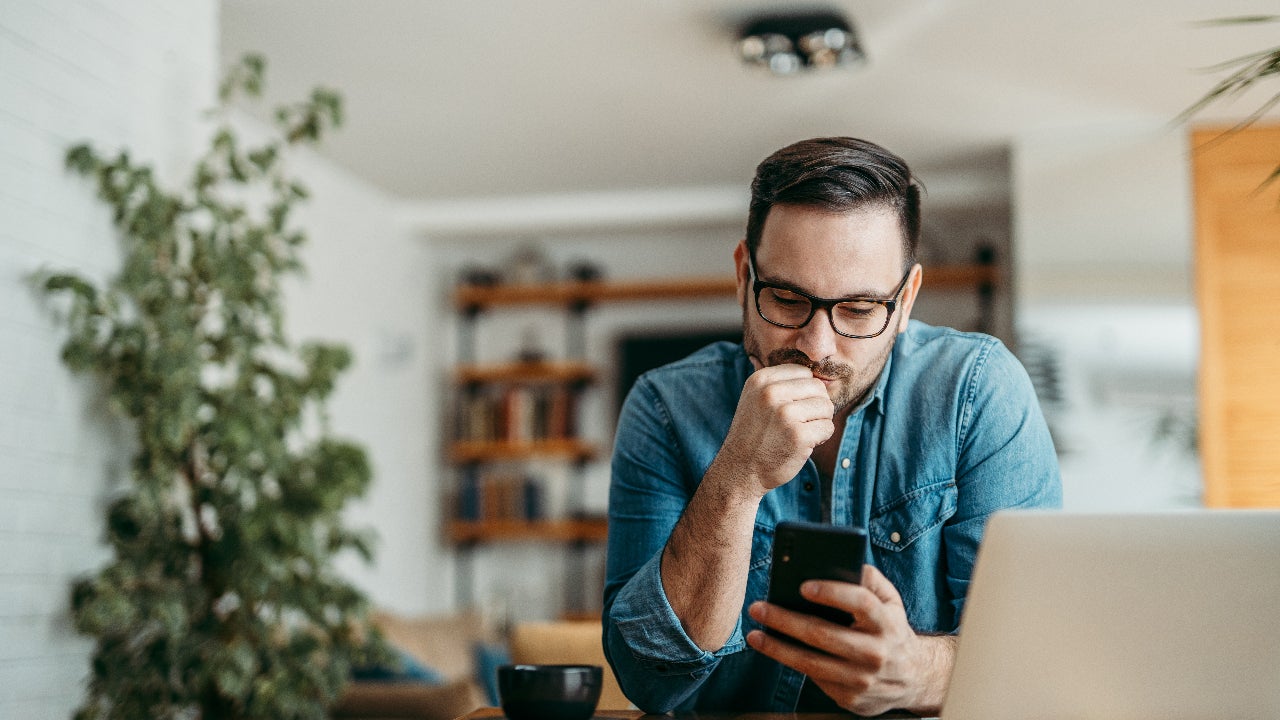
568	293
586	529
528	372
959	276
580	616
482	450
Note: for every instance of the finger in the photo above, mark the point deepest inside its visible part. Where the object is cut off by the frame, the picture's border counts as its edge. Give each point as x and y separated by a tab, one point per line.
785	371
816	432
807	659
781	393
867	609
879	585
804	409
755	361
791	654
810	630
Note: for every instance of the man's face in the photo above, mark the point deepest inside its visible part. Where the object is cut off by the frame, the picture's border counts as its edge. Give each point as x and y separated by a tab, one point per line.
829	255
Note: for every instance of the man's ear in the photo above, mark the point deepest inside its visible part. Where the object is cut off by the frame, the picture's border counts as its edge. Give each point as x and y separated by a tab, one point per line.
743	274
909	293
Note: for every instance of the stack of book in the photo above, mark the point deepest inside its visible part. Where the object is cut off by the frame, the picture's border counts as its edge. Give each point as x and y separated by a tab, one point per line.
518	413
501	496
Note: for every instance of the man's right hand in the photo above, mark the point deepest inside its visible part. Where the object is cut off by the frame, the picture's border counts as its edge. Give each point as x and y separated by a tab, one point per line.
783	414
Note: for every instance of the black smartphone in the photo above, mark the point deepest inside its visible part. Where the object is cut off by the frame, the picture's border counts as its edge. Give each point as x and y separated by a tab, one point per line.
814	551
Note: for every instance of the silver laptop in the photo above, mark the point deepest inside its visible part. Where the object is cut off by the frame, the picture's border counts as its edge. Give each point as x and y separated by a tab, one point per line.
1097	616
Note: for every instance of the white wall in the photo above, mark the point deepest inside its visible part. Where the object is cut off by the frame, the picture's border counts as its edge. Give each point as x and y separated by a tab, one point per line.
369	285
136	74
1103	250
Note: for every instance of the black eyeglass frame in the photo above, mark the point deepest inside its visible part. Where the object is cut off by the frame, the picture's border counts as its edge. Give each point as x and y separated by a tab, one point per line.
816	303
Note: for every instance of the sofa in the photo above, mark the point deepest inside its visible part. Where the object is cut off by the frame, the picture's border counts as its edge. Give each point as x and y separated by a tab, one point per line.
447	645
464	653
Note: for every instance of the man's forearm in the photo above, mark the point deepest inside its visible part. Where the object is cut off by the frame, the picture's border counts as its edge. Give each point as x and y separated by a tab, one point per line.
706	560
937	657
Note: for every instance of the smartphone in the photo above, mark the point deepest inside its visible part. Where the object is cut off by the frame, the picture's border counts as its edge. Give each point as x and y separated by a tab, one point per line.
814	551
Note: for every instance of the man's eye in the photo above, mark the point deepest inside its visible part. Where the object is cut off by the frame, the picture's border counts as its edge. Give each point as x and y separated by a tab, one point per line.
859	310
785	298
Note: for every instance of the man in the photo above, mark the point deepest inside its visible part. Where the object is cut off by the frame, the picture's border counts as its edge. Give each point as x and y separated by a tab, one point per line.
836	408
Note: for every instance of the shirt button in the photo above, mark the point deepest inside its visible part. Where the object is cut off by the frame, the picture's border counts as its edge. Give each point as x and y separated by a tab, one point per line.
808	486
895	537
845	463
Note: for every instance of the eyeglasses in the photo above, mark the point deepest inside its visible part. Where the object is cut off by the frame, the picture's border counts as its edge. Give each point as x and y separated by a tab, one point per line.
853	317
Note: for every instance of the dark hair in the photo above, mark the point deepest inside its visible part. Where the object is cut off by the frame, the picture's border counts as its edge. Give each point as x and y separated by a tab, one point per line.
837	174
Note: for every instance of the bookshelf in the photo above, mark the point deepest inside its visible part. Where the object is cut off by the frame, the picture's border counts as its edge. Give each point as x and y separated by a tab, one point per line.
518	412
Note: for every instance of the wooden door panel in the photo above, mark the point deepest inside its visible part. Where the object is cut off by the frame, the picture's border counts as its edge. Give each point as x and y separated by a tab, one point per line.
1238	288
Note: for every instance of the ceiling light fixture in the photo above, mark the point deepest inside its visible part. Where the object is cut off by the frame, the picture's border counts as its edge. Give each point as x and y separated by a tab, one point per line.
787	43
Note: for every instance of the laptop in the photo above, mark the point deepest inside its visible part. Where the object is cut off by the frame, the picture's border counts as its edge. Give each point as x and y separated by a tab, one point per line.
1096	616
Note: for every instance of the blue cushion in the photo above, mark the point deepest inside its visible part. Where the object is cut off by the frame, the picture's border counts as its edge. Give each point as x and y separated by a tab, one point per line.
405	669
488	657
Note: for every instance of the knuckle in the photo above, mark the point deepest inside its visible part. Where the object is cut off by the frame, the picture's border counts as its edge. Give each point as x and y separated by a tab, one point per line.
771	394
857	685
876	660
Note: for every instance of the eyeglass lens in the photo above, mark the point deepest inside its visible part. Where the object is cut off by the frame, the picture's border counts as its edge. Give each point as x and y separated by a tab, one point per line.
783	307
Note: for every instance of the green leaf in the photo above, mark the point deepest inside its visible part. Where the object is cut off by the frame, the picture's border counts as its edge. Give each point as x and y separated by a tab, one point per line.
81	159
1240	20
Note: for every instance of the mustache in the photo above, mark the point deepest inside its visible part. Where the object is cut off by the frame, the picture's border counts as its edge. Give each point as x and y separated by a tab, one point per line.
826	367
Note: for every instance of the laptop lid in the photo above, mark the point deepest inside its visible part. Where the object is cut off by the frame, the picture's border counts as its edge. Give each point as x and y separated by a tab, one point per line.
1094	616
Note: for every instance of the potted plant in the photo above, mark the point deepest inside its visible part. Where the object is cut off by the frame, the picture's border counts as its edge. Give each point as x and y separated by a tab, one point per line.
220	599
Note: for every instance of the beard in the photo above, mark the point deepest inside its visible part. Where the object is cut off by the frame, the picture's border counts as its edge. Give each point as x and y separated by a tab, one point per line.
851	384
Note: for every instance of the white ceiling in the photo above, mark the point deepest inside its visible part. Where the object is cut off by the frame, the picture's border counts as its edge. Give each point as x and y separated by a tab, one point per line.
482	98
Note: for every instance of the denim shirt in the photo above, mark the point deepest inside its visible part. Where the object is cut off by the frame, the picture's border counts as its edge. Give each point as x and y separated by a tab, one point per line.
951	433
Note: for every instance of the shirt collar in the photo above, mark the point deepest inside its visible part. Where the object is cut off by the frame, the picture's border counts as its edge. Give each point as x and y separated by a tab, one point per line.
876	399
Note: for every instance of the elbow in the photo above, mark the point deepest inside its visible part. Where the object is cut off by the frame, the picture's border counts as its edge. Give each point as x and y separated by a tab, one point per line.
650	698
651	693
660	706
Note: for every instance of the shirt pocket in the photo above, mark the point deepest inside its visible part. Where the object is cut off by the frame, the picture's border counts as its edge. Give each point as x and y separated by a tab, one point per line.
898	523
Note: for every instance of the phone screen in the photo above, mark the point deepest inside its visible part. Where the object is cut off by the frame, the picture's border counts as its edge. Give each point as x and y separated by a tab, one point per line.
814	551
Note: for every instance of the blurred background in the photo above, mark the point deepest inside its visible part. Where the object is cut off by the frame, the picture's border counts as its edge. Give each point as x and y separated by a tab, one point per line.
506	144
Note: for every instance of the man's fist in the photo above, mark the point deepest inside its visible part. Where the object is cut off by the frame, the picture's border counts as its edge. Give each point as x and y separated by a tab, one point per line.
783	414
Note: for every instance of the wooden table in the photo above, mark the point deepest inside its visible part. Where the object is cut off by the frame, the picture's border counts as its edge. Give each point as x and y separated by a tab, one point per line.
496	714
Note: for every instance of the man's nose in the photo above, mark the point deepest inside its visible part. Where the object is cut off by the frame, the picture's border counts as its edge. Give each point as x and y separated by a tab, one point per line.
817	339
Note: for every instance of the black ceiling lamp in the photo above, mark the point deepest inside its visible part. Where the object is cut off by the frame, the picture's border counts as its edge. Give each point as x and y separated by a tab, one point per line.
787	43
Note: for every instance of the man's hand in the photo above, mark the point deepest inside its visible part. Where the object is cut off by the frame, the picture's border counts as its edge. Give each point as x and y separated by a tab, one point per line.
876	665
783	414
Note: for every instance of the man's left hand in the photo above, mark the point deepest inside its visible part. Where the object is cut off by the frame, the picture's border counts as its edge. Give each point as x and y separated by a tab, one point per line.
877	664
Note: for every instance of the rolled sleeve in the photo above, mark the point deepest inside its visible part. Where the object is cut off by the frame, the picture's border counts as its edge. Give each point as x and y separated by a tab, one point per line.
652	634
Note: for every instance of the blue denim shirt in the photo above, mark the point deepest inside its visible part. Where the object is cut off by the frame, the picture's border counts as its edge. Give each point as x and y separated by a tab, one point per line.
951	433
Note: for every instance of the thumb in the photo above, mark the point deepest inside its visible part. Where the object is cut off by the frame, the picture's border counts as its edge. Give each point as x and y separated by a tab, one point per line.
879	585
755	361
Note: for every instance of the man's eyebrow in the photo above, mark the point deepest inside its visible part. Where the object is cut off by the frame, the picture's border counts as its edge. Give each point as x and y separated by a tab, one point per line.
869	294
